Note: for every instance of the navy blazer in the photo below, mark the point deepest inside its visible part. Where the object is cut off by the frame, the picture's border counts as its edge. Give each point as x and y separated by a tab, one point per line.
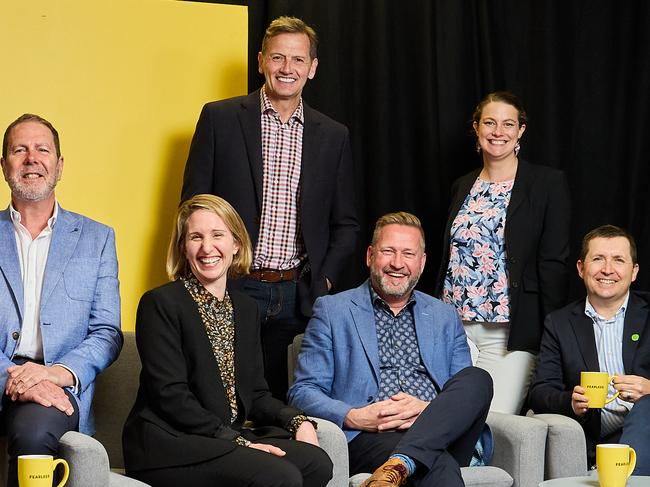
225	159
537	247
569	347
338	364
80	302
181	415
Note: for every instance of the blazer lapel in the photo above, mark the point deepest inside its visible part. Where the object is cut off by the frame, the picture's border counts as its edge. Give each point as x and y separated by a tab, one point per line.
361	309
636	324
249	119
520	189
65	235
242	359
9	263
428	336
311	143
583	327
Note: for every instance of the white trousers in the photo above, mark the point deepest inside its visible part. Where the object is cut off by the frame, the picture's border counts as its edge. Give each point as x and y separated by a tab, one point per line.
511	371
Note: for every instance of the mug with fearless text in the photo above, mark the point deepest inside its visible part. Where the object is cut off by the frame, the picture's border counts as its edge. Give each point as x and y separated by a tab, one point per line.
38	470
595	385
615	463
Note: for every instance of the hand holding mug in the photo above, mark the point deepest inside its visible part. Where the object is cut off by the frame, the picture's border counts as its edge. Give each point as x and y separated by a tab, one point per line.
631	387
579	402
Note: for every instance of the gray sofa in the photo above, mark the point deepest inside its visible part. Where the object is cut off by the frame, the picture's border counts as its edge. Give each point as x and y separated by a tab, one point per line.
522	445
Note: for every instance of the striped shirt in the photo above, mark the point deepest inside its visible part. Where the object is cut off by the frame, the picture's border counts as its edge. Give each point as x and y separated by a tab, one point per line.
280	245
609	345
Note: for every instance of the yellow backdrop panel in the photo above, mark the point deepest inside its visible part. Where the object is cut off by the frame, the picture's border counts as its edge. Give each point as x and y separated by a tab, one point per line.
123	81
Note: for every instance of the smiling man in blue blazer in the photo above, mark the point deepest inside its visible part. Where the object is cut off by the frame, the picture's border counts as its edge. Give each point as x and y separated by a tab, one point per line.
383	358
59	299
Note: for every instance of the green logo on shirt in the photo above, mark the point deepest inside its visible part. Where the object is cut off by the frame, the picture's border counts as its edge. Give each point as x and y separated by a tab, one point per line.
635	337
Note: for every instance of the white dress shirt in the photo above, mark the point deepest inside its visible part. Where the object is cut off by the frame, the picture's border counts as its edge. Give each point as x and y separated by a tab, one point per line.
32	255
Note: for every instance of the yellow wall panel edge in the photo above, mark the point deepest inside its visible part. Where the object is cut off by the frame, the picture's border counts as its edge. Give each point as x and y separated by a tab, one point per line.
124	82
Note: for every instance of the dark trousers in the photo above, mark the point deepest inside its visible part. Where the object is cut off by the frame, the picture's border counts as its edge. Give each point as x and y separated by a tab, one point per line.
281	322
33	429
304	465
441	440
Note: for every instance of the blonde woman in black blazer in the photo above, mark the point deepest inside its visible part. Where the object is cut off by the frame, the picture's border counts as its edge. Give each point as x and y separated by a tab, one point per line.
202	376
505	250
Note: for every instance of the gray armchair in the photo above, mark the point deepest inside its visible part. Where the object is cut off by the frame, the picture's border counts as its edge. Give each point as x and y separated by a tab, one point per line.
518	454
566	449
98	462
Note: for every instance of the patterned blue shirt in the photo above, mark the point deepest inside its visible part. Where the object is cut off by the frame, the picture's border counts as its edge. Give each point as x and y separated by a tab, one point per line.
609	345
400	363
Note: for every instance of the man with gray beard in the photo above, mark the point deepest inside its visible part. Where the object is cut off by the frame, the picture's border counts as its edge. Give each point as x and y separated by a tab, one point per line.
383	358
59	299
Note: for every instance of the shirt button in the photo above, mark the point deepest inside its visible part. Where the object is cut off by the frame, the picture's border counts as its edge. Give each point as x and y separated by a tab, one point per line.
515	284
15	335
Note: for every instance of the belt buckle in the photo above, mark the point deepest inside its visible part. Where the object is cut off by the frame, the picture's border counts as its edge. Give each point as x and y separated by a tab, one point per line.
264	279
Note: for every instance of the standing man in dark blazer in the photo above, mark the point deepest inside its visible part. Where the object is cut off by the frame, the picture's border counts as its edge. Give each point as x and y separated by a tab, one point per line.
287	170
608	332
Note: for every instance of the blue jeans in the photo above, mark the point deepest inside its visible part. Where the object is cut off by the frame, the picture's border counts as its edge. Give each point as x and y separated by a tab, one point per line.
281	322
636	433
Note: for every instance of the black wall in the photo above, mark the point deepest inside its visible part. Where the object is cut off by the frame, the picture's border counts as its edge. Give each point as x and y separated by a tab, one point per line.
405	76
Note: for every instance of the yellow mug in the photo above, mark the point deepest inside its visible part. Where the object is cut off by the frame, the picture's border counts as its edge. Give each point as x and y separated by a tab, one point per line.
615	463
38	470
595	385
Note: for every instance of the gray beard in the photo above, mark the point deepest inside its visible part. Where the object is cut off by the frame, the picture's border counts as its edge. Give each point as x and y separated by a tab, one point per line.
28	194
379	281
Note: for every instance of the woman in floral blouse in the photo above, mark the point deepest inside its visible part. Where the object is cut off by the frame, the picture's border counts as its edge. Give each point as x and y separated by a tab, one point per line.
505	251
202	374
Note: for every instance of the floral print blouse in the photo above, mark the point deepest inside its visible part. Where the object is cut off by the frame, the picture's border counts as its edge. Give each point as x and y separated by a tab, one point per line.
477	281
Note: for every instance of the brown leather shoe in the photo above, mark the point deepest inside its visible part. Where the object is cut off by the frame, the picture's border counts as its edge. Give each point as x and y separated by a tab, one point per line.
393	473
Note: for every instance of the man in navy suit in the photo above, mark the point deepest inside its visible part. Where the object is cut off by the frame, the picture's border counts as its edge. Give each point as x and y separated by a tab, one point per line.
59	299
287	170
391	366
609	331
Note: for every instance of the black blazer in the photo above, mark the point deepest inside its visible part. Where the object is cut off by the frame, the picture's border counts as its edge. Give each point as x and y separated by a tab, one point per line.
181	415
569	347
537	247
225	159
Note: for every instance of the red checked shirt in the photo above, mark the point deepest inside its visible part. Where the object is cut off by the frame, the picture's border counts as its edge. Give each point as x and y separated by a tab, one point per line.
280	245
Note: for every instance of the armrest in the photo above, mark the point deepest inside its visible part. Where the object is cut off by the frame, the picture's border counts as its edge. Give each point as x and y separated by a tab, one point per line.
333	441
566	448
519	443
87	458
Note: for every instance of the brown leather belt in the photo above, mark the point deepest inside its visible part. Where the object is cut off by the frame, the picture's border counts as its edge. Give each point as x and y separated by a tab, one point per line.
272	275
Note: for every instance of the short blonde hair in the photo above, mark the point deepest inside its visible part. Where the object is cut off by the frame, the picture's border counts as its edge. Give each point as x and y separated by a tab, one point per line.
291	25
397	218
177	265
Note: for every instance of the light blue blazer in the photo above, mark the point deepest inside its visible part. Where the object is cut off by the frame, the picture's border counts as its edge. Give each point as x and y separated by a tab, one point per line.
80	302
338	365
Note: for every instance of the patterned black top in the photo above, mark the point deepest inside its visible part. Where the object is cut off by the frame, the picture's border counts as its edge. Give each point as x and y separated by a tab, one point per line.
219	321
